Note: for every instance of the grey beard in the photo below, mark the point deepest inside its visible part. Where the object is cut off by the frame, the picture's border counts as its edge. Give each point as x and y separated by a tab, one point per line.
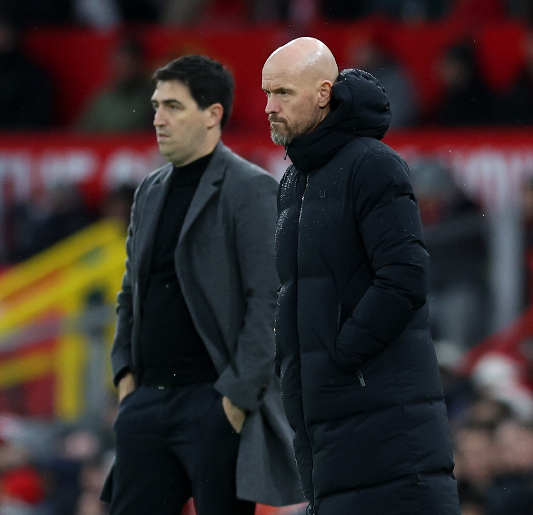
280	139
297	130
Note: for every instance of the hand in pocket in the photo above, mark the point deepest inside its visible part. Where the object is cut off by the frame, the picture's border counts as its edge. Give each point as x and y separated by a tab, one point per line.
235	415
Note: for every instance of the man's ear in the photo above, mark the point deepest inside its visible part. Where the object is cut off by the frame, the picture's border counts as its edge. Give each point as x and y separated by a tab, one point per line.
214	115
324	93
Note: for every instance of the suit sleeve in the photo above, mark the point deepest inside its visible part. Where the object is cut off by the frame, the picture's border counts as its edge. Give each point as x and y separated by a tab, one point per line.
245	380
390	226
121	357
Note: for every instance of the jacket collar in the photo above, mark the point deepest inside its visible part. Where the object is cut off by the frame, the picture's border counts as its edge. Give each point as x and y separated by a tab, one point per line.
155	199
151	211
360	107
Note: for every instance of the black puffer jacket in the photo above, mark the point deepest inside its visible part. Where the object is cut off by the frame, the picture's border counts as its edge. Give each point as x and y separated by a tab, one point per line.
359	374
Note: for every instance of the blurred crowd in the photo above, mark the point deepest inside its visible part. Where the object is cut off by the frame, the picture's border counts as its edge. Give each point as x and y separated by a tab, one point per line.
31	227
106	13
54	469
488	379
58	469
466	99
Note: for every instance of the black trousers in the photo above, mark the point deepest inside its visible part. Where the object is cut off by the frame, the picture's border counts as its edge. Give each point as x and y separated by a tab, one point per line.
173	444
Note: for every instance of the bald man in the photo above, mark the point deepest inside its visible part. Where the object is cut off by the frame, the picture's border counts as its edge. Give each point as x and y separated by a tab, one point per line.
360	380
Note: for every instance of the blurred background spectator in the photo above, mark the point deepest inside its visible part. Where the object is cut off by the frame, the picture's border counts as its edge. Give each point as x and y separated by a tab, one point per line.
467	100
456	239
180	13
26	94
409	10
101	14
33	227
117	204
494	467
511	490
474	456
516	105
374	58
124	105
502	366
22	485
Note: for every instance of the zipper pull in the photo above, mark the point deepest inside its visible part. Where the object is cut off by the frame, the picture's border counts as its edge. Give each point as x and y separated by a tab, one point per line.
286	152
361	378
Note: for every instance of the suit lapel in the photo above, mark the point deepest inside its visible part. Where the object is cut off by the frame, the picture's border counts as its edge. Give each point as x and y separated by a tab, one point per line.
208	186
153	204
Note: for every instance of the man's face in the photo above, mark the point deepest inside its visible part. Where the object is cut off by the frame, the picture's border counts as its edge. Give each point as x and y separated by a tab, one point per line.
292	106
181	126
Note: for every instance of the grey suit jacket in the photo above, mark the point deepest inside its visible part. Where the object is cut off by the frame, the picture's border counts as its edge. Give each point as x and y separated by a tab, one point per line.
225	264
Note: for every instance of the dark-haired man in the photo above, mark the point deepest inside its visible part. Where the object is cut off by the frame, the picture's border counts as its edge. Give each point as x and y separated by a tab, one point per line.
200	412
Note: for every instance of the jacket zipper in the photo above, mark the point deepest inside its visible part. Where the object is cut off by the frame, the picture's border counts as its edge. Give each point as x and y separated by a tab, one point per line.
308	437
302	202
361	378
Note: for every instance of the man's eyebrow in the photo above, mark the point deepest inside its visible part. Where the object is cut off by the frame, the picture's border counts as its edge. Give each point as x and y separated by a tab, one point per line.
276	89
168	101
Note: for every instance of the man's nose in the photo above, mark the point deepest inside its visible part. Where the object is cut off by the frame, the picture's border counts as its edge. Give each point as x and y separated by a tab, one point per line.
272	106
158	118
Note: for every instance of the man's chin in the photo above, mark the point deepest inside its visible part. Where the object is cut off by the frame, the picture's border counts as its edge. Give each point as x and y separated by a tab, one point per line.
280	139
166	152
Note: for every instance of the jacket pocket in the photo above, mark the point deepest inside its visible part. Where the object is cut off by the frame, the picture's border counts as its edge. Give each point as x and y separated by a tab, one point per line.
343	315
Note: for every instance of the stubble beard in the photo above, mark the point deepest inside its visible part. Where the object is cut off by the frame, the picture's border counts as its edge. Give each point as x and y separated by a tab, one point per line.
298	130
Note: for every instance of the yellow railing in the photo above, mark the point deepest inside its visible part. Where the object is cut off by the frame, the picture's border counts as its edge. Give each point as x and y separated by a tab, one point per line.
59	281
60	256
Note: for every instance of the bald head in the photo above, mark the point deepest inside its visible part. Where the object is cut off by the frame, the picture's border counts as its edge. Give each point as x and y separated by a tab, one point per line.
297	79
307	57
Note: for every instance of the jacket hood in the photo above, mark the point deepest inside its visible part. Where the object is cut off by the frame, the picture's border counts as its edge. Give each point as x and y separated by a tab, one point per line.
360	107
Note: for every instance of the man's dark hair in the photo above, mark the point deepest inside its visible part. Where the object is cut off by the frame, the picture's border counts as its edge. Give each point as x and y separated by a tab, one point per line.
208	81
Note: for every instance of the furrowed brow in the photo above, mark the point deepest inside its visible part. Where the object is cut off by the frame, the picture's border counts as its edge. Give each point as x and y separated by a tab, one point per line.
167	102
280	89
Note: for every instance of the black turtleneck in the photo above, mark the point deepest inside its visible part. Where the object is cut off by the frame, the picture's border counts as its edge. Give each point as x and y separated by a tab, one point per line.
172	351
